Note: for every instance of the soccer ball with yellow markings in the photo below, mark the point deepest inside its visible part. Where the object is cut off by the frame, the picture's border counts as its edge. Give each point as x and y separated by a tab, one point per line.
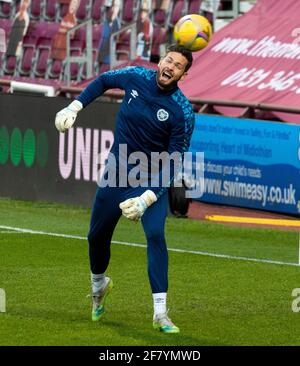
193	32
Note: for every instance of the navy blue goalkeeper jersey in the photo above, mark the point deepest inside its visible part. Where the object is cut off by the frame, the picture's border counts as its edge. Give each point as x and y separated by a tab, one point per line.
149	119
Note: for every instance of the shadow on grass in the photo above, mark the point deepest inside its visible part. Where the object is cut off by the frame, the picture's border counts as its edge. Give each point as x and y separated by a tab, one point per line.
106	332
151	337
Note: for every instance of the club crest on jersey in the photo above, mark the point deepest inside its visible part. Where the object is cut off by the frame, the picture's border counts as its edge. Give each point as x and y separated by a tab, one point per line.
162	115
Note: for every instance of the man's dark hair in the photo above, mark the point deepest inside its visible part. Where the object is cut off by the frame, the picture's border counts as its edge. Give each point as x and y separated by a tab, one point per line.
185	52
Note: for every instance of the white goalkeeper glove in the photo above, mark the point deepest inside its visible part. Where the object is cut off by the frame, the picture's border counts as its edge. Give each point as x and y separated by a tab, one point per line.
66	117
133	208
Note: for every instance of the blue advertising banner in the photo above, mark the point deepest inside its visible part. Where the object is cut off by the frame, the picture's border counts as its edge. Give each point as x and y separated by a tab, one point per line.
249	163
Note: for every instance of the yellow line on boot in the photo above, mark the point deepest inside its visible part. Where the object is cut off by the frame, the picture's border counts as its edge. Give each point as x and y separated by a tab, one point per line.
254	220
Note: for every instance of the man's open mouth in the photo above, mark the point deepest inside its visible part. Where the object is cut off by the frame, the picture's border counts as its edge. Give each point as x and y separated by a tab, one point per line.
166	75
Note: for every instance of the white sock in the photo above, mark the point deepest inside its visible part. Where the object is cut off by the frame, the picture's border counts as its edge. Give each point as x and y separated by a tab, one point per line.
160	303
98	280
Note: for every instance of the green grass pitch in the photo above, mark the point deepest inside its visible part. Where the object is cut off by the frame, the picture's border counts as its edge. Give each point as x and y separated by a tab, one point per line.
214	301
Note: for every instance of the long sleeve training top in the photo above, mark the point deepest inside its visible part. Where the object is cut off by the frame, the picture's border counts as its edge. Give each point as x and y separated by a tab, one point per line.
150	119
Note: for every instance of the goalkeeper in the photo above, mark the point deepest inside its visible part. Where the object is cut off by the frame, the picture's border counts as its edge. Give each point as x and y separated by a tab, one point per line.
154	117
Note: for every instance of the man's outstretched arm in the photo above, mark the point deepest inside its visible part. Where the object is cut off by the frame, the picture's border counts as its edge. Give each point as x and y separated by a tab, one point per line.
109	80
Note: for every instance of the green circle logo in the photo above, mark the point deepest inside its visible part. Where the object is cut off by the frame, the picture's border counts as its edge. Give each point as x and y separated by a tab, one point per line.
16	147
29	148
4	145
42	149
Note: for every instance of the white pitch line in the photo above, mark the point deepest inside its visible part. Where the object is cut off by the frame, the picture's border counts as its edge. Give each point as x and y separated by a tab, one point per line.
208	254
9	232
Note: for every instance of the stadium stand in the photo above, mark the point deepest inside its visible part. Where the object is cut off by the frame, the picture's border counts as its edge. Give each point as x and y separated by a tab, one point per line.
35	62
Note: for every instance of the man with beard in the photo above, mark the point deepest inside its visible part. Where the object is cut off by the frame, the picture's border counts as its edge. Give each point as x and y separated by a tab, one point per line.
154	116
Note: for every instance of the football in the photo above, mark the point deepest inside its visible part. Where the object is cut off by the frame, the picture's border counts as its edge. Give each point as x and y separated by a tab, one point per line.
193	32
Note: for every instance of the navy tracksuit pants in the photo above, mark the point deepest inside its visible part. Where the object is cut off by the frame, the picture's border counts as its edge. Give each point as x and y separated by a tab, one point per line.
105	216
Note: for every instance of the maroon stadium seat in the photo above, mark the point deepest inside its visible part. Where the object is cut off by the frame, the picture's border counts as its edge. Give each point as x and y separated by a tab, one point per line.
83	10
178	10
26	62
194	7
35	9
46	29
42	56
159	17
25	67
159	37
96	10
9	66
50	10
55	69
123	46
129	13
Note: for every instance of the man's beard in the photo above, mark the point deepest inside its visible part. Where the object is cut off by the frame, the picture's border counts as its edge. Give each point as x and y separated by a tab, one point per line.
164	87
